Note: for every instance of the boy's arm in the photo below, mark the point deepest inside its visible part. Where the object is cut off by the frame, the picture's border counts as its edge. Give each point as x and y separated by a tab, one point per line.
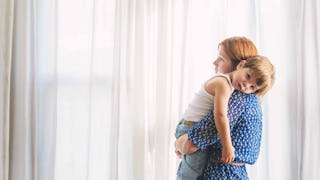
204	133
222	93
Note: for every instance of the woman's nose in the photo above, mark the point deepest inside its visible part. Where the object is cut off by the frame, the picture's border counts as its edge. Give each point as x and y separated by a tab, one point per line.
214	62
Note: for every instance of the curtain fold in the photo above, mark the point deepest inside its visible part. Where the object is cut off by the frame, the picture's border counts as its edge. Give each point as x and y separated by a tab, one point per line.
31	102
23	138
308	85
6	41
147	52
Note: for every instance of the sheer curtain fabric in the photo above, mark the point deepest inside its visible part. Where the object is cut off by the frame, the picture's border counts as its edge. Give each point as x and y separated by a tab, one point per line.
93	89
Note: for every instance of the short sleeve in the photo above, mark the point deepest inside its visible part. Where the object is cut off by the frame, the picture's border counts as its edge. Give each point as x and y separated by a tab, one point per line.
203	133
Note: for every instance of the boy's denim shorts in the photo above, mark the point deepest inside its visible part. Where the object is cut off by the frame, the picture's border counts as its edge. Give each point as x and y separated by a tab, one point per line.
192	165
181	129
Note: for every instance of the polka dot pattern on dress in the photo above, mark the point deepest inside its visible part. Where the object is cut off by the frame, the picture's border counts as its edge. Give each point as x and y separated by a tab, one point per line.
245	116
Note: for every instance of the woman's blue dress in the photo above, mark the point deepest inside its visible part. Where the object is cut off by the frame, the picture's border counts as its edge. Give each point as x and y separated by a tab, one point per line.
245	116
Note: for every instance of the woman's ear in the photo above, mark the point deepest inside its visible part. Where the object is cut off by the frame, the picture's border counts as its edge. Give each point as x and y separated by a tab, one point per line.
241	64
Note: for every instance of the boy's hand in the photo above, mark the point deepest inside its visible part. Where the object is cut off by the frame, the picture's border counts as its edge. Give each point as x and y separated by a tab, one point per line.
227	154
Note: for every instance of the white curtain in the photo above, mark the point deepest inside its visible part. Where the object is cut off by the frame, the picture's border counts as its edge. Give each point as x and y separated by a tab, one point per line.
6	34
93	89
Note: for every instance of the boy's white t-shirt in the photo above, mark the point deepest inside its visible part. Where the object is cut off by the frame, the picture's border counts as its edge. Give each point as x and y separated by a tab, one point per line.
203	102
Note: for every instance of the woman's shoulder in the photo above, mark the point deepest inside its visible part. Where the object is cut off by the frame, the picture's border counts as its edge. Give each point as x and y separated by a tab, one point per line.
247	103
245	98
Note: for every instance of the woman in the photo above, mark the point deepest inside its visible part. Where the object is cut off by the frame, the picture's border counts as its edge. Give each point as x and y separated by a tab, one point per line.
244	113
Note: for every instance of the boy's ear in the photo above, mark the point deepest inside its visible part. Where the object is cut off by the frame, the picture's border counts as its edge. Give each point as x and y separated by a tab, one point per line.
241	64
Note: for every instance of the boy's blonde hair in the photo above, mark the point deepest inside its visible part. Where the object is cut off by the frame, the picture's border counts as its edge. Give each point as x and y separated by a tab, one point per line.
264	72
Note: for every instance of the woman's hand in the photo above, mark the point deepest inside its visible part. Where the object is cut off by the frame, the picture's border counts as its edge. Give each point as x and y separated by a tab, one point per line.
184	146
178	146
179	154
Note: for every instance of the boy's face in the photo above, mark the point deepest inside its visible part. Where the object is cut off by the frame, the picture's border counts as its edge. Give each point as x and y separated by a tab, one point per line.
223	63
244	80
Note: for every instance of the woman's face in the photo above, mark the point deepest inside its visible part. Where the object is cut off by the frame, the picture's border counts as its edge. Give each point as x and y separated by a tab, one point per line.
223	62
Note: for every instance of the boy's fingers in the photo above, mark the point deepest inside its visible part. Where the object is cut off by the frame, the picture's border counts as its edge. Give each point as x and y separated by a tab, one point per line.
228	161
